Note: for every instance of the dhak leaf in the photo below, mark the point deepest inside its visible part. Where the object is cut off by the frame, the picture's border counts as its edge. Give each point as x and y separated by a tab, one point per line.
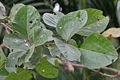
14	10
21	74
52	19
2	11
13	41
46	69
70	52
2	57
96	22
12	60
97	51
25	20
71	23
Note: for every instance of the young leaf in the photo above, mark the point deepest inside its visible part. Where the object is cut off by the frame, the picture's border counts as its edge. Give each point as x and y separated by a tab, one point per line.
12	60
2	57
25	20
71	23
96	22
52	19
70	52
46	69
2	11
21	74
14	10
97	51
13	41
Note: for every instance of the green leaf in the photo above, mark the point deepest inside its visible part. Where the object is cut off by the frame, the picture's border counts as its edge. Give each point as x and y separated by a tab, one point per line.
34	57
46	69
12	60
14	10
40	36
21	74
25	20
96	22
52	19
71	23
13	41
2	57
3	72
54	51
2	11
97	51
70	52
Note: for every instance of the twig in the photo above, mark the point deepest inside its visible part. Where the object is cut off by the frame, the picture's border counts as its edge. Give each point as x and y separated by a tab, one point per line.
8	29
97	71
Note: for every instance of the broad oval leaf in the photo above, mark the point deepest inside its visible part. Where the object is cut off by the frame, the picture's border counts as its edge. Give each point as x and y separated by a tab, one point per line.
71	23
25	20
52	19
12	60
14	10
70	52
97	51
13	41
46	69
96	22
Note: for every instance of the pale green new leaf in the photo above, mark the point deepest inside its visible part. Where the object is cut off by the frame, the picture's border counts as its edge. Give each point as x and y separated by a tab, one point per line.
13	41
25	20
96	22
70	52
52	19
2	57
71	23
12	60
46	69
97	51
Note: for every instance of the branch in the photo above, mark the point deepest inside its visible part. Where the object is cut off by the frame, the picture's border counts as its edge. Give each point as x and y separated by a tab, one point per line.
97	71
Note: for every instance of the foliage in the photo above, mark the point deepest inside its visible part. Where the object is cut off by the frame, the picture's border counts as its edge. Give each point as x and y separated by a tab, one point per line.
28	40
